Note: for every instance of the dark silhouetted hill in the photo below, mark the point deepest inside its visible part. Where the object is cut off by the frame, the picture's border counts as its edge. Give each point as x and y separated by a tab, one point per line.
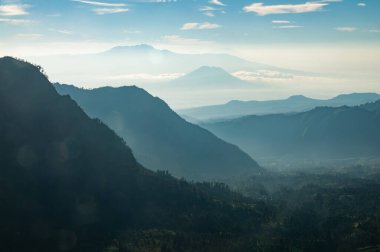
69	183
160	139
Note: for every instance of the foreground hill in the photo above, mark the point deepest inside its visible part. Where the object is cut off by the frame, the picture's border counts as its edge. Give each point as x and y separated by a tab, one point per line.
297	103
160	139
320	135
69	183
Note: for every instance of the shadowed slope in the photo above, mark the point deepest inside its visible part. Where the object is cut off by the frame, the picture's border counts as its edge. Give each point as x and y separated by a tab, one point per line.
160	138
320	134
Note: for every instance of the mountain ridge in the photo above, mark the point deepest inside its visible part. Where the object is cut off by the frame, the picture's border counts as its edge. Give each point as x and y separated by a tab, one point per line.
292	104
319	136
159	137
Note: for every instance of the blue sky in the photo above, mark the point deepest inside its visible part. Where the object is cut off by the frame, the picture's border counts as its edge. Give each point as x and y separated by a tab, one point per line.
223	22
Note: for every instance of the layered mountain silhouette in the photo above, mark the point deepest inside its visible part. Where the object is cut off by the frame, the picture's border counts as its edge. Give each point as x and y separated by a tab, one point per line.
297	103
69	183
116	64
322	134
160	139
180	62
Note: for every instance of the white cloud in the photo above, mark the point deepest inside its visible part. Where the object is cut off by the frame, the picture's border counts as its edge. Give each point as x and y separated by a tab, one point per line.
209	14
262	10
362	4
261	74
199	26
109	8
287	27
374	30
29	36
178	40
216	2
189	26
101	3
15	21
65	32
132	31
13	10
157	1
207	8
103	11
281	22
146	77
55	15
210	11
346	29
208	26
330	1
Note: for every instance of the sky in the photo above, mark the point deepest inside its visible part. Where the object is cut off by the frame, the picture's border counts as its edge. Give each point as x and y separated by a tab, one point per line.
223	22
340	37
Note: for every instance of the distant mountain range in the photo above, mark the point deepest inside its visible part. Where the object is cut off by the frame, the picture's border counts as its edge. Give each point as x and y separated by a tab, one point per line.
168	60
69	183
160	139
298	103
321	135
115	66
181	79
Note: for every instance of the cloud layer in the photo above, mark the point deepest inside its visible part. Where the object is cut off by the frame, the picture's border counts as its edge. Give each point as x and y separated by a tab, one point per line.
103	11
199	26
216	2
15	21
101	3
346	29
13	10
262	10
105	8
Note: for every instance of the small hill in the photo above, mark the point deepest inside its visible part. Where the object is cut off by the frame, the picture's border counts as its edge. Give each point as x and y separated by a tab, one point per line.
354	99
319	135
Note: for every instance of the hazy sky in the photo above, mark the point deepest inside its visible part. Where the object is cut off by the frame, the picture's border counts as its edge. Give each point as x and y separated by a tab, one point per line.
329	36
